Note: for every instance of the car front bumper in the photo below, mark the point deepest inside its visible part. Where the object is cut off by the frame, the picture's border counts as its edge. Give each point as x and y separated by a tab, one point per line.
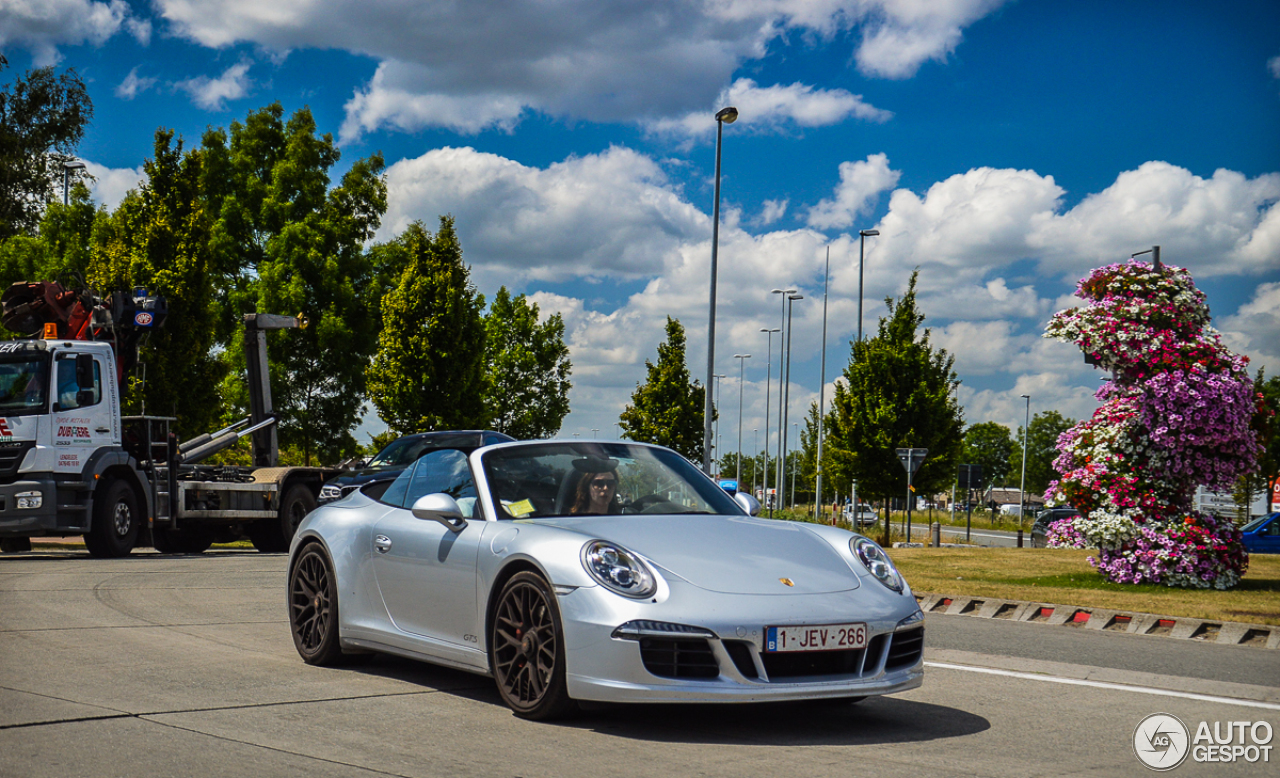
604	668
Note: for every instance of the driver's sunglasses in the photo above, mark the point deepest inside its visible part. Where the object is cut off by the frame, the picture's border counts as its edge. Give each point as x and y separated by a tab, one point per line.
604	483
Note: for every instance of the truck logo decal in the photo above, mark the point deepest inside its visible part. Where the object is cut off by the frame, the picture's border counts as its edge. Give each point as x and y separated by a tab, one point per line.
5	432
73	432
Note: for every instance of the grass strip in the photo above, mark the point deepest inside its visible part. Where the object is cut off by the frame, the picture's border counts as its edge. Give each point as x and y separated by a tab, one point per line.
1065	577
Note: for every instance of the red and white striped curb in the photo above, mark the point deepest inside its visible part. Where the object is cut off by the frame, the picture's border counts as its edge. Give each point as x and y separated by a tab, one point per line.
1231	633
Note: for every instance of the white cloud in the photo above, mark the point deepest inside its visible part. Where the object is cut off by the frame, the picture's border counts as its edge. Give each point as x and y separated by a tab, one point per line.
860	186
212	94
1273	65
616	217
581	59
1254	330
904	34
112	184
42	25
134	84
602	215
1225	224
772	211
772	109
140	29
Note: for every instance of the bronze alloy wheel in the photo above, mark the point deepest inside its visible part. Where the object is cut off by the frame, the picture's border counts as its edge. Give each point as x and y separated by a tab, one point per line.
313	608
527	650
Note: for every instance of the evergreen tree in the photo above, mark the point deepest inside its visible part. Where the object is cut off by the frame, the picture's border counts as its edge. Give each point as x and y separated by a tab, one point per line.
667	409
527	366
42	119
897	392
429	371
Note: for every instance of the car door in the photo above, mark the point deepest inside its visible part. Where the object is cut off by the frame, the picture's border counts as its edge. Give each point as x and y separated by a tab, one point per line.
1268	539
426	573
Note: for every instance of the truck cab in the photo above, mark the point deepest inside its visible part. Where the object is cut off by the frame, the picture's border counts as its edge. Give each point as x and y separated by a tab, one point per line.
59	424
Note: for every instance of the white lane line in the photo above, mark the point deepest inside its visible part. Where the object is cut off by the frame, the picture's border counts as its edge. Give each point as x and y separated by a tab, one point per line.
1104	685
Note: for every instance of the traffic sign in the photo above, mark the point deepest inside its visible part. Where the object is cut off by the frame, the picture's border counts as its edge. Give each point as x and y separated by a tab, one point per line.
912	458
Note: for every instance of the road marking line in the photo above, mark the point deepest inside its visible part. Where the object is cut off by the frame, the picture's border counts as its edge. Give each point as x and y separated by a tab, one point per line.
1105	685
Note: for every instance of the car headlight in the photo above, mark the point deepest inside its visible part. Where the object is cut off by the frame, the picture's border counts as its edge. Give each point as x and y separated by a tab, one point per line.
30	499
877	562
618	570
330	492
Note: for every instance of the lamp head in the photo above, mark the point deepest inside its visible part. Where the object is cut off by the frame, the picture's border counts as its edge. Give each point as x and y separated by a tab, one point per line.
727	115
868	233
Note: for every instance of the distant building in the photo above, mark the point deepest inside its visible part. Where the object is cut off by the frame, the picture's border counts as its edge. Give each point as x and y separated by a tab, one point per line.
1006	496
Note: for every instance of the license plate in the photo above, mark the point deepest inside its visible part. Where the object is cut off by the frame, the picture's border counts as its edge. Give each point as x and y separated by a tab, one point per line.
819	637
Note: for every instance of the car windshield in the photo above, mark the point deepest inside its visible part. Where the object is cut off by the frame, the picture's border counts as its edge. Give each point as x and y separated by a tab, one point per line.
24	384
583	479
1258	522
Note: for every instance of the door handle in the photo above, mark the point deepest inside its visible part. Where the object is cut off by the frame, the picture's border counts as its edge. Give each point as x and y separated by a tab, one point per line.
101	429
382	543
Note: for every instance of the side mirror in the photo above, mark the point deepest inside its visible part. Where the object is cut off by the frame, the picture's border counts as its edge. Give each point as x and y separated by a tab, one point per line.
441	508
84	371
748	503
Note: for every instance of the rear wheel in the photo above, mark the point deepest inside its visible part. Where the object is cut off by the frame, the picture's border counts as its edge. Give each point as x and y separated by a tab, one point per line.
115	521
313	608
526	650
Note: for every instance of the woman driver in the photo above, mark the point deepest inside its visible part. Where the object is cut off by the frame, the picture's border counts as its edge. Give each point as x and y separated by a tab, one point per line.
595	494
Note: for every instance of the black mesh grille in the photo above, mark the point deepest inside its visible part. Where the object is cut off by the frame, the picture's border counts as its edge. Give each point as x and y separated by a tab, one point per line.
671	658
11	454
740	652
802	664
906	649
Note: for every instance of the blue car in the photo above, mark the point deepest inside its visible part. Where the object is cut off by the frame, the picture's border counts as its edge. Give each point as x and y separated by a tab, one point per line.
1262	536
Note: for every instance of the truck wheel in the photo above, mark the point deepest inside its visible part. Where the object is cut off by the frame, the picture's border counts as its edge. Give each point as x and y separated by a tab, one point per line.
273	537
115	521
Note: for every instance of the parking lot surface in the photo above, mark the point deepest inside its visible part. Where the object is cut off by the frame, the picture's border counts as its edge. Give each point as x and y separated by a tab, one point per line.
176	666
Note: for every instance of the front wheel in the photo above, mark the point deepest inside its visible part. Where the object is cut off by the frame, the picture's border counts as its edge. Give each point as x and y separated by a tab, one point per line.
313	608
526	650
115	521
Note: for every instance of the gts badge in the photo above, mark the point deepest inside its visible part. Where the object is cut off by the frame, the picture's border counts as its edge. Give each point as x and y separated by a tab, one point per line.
471	638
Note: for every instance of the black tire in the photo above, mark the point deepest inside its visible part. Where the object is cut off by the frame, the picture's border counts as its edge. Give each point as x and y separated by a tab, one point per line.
313	607
273	537
116	520
526	650
182	541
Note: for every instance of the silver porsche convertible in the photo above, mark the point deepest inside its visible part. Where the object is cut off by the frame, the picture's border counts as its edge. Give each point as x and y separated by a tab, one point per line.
599	571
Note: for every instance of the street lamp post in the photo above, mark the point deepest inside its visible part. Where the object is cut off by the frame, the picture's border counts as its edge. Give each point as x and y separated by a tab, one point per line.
742	360
793	470
862	243
822	393
768	382
786	395
1022	487
782	328
594	432
755	446
716	408
67	167
723	116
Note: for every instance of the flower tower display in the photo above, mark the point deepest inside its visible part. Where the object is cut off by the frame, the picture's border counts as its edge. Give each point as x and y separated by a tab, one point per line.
1175	415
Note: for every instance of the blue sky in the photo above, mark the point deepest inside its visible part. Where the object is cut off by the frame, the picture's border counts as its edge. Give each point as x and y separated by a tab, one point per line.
1003	148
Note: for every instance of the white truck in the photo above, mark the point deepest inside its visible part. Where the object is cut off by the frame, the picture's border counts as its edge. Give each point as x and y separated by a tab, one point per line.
72	464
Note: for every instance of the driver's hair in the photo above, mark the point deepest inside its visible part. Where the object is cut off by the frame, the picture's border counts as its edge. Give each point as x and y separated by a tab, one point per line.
582	494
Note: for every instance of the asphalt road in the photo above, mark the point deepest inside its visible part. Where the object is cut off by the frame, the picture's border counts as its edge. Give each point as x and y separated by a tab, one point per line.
151	666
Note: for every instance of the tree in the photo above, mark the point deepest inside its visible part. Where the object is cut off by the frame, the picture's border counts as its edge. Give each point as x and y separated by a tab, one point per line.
42	119
667	408
158	238
1266	421
988	444
283	241
527	367
1042	442
898	392
61	246
429	372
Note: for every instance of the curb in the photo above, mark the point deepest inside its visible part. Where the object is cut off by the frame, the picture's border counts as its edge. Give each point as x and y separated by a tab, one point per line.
1230	633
